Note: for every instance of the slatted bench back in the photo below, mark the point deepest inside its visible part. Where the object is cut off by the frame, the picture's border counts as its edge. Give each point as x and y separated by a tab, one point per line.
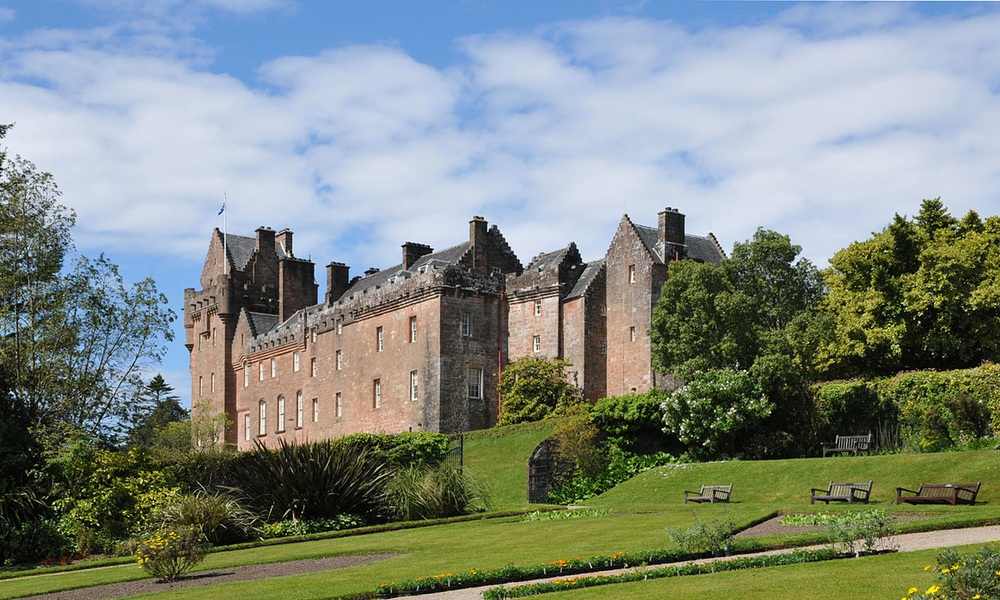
853	442
706	490
967	491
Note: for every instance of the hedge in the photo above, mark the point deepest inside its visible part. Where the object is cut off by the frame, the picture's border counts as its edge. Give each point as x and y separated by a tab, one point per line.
923	410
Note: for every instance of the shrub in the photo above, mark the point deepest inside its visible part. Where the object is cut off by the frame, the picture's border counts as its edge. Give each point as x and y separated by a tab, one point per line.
712	413
311	481
714	538
968	577
32	541
428	493
867	531
632	421
169	553
533	388
620	466
220	518
576	440
412	448
306	527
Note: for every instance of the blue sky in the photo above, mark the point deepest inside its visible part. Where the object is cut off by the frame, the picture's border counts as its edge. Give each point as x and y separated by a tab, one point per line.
361	125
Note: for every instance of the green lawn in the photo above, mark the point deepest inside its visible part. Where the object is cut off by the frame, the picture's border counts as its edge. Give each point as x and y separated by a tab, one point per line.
779	483
499	458
640	511
427	551
886	576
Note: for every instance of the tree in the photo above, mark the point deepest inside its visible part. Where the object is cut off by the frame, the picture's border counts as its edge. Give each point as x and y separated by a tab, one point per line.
157	407
532	388
725	316
921	293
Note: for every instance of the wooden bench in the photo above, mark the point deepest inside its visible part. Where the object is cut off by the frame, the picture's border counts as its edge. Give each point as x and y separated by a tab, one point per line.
940	493
709	493
849	444
842	492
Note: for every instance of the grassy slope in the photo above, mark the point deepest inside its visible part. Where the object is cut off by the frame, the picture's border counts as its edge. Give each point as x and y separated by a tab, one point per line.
780	483
641	510
499	458
887	576
427	551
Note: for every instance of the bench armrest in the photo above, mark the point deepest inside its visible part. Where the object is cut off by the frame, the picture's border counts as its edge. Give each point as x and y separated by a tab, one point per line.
814	490
902	489
690	493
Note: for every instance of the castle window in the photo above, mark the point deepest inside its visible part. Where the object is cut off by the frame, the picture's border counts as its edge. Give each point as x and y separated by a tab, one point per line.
413	329
280	428
315	410
466	325
213	336
631	273
340	359
246	375
274	368
295	362
340	326
538	308
211	383
414	379
379	339
201	387
246	427
313	336
262	418
260	371
338	405
474	383
631	334
299	409
312	367
377	394
536	343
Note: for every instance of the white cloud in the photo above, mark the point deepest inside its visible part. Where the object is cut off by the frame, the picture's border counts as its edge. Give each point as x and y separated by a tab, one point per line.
550	134
6	14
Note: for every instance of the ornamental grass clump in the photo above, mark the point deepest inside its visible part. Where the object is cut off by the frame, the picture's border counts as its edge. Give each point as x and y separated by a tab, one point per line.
962	577
169	553
221	518
428	493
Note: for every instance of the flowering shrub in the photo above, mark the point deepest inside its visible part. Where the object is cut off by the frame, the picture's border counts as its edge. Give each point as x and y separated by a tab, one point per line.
169	553
307	526
868	531
715	539
566	515
970	577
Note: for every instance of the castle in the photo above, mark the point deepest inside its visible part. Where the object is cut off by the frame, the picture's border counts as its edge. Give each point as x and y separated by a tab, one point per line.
420	345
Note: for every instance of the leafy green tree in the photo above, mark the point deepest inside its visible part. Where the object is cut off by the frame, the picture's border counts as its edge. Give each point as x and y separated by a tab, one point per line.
725	316
922	293
532	388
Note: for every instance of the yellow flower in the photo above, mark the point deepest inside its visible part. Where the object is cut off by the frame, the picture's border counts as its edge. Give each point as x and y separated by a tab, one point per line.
933	589
912	591
929	567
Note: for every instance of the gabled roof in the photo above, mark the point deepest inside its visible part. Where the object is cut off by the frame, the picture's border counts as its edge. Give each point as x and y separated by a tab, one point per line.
703	248
448	256
241	248
590	273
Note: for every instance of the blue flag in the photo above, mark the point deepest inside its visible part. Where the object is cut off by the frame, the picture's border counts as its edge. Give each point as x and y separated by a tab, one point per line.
222	208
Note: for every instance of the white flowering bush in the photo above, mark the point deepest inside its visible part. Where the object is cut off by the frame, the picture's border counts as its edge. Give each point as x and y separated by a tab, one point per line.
713	411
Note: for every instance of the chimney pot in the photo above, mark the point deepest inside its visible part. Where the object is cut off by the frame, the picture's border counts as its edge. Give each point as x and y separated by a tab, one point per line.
412	252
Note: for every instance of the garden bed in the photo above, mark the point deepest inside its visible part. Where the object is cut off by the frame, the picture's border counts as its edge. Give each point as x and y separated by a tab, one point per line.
215	576
774	526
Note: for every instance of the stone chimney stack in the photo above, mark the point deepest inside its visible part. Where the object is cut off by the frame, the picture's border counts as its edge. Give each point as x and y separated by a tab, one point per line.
265	239
284	239
337	281
478	243
671	233
412	252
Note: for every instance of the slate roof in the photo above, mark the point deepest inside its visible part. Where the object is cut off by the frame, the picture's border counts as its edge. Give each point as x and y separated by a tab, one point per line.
703	248
448	256
590	273
261	323
549	260
241	248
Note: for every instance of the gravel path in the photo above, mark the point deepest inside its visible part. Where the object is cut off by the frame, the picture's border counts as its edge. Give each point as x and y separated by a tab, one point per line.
908	542
199	578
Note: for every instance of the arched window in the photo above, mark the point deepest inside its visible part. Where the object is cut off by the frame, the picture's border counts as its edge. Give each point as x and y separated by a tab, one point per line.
262	418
